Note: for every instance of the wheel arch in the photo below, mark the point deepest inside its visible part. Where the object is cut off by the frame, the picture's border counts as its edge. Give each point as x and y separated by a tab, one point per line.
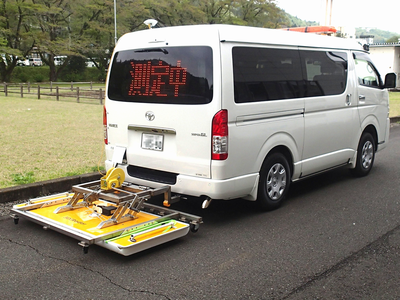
371	125
286	144
286	152
371	129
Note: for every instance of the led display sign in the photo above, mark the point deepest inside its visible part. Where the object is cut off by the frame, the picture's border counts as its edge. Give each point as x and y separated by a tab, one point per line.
156	78
171	75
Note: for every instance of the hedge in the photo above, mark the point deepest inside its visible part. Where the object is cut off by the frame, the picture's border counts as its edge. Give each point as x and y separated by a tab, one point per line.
41	74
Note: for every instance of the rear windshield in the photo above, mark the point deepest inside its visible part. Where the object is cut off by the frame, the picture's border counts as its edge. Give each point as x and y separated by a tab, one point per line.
170	75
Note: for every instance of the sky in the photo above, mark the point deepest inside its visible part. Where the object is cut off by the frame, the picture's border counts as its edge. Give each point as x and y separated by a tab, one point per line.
381	14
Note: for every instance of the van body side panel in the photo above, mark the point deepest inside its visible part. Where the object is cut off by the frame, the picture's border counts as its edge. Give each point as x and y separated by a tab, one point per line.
332	125
256	127
253	136
373	100
373	109
327	139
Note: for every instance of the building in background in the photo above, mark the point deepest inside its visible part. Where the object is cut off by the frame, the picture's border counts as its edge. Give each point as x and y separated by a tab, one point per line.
387	59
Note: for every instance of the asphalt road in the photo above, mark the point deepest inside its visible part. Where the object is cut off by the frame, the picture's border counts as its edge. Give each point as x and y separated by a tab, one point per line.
336	237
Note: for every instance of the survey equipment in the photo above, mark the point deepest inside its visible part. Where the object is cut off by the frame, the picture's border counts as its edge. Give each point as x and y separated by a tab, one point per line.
110	213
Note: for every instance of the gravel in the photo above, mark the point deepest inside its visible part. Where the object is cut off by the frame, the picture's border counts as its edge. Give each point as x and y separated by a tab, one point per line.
5	207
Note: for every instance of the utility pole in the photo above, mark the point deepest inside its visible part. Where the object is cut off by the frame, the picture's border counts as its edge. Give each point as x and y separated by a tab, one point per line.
328	11
115	21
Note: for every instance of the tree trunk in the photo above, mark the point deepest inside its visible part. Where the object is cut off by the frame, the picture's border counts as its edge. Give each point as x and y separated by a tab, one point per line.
5	72
53	72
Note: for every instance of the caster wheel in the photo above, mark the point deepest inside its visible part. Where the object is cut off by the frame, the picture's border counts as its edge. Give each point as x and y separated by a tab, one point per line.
194	227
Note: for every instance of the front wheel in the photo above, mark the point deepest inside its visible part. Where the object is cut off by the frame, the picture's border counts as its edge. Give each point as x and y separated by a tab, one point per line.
365	155
274	181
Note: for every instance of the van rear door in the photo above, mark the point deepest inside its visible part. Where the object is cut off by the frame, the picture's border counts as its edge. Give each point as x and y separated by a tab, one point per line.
158	108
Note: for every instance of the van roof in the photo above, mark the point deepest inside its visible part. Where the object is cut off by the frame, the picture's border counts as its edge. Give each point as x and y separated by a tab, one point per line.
252	35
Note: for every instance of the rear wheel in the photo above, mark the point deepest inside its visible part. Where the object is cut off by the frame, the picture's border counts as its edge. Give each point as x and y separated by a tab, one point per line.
274	181
365	155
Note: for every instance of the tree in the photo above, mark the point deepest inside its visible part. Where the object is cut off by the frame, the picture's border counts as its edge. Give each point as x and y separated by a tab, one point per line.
216	11
393	39
174	12
53	36
16	38
259	13
94	28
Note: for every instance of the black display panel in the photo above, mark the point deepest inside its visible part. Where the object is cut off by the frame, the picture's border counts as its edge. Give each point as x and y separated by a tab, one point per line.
171	75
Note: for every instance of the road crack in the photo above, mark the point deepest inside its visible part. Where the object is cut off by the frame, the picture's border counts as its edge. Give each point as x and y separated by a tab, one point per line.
352	258
131	291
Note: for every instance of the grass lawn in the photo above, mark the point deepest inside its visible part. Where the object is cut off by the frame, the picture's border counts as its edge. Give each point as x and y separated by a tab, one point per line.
44	139
394	104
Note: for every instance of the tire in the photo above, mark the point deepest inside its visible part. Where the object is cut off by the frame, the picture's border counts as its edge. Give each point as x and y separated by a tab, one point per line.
274	181
365	155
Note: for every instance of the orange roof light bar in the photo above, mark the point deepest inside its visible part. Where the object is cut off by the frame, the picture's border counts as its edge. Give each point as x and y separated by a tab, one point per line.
312	29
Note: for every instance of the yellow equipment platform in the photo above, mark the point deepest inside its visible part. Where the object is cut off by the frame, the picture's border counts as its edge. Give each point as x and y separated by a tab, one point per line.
118	219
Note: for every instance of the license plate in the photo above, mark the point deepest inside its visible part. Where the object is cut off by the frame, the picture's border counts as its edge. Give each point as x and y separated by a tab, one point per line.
153	141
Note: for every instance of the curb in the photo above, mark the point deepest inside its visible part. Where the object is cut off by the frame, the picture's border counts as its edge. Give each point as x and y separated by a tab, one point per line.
394	119
43	188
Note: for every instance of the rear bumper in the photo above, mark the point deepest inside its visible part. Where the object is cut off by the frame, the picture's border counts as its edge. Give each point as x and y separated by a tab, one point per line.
231	188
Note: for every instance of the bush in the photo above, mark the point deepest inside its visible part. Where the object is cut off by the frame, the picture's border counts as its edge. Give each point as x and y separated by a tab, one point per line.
38	78
41	74
30	74
75	70
94	74
23	77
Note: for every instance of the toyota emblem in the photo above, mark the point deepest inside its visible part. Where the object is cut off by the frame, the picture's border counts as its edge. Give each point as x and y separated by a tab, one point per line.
150	116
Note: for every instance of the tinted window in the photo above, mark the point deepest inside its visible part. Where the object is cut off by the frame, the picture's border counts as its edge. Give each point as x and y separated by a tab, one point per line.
325	72
175	75
266	74
366	72
262	74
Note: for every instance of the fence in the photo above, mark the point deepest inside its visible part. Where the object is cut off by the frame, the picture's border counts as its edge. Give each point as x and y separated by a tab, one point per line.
58	91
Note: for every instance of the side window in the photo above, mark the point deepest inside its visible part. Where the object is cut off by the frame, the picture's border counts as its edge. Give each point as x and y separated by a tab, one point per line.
366	72
325	72
263	74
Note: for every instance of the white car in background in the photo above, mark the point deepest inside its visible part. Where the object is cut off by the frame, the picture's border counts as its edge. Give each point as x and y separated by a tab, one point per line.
23	62
35	61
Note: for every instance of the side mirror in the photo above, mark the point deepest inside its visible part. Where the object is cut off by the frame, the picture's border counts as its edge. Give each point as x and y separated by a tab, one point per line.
390	81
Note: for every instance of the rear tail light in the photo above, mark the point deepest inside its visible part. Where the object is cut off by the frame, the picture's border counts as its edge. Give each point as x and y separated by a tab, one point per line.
220	135
105	126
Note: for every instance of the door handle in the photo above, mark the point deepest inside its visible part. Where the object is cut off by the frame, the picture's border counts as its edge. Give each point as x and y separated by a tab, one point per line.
361	97
348	99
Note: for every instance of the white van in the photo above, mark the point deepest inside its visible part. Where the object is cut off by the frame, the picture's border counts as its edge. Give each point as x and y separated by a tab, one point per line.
35	61
224	112
59	60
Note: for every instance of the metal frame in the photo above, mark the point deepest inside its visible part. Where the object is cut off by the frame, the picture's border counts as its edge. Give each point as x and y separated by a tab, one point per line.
130	199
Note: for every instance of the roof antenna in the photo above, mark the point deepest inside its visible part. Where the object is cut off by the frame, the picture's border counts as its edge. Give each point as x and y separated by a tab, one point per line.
150	23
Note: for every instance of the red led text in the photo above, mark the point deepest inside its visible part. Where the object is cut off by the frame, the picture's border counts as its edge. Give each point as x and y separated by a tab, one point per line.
156	80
